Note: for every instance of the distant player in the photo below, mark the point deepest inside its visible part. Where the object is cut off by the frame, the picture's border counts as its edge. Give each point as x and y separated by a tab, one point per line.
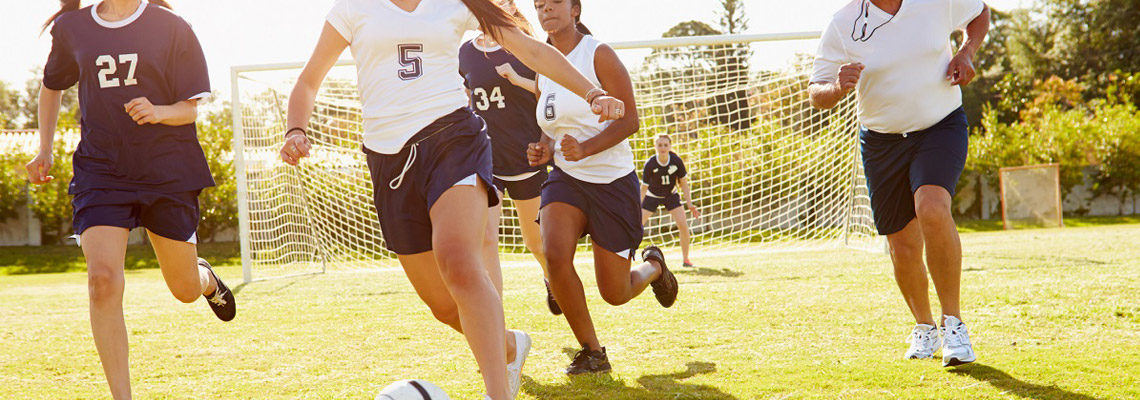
141	73
914	141
502	92
429	155
593	187
661	174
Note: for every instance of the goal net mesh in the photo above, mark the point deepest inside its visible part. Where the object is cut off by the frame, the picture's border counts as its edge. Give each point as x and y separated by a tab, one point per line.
1031	196
768	172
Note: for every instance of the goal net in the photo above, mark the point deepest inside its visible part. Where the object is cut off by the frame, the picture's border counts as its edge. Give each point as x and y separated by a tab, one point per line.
767	171
1031	196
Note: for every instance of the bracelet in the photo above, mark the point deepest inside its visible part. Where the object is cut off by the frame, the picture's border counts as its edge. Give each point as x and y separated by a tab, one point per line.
594	93
303	133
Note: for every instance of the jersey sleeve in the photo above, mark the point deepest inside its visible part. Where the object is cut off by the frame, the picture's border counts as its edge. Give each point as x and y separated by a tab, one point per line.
470	23
681	171
188	74
342	19
61	70
829	57
962	12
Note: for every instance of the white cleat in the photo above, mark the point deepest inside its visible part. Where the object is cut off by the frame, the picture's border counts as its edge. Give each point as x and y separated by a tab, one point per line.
956	349
514	369
924	341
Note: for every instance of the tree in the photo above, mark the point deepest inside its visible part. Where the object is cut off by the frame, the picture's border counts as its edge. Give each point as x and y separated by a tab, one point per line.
9	106
218	204
69	114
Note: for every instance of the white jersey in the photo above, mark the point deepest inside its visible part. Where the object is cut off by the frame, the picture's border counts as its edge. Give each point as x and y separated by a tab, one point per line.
903	87
561	112
406	64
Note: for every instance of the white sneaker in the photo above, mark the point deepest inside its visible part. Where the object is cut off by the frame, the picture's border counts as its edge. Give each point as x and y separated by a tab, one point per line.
956	349
514	369
924	341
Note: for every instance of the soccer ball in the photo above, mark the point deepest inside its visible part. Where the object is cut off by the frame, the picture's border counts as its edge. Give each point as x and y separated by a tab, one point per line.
412	389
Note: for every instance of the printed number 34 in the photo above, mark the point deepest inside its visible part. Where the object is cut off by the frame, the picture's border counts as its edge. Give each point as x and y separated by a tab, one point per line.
413	66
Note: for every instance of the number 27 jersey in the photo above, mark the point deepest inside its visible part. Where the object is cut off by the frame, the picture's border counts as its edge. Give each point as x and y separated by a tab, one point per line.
153	53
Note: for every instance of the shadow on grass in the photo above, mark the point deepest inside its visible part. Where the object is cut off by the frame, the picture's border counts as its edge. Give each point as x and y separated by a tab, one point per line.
649	387
705	271
21	260
1008	384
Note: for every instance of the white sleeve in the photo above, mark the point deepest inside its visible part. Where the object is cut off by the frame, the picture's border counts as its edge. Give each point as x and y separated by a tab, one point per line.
962	12
470	23
829	57
342	19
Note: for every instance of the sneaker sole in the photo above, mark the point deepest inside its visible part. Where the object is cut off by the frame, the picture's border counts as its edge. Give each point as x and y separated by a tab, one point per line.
953	362
664	284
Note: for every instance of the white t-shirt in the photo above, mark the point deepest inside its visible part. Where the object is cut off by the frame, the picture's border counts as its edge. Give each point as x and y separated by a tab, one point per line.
406	64
561	112
903	87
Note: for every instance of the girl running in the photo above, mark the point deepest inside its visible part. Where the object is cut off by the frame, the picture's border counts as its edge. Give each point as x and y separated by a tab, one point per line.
660	175
593	187
429	155
141	73
502	92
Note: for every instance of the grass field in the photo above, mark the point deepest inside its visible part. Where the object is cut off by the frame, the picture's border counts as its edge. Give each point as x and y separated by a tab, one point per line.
1055	314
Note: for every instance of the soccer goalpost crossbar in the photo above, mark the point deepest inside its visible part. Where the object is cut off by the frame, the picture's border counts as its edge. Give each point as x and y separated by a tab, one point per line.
768	172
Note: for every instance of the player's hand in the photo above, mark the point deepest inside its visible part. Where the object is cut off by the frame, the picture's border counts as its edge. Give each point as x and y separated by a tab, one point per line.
39	167
143	112
572	149
538	154
607	108
296	147
961	69
507	71
693	209
849	76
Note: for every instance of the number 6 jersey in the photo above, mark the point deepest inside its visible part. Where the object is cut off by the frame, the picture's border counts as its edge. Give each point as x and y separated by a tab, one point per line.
153	54
406	64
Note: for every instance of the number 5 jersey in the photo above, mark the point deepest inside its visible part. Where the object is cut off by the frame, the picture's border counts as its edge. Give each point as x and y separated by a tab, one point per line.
153	53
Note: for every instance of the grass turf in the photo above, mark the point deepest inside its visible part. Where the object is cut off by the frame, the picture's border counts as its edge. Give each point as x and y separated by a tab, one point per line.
1054	315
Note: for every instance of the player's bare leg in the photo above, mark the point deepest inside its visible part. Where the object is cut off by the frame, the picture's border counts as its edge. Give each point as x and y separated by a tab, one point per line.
104	249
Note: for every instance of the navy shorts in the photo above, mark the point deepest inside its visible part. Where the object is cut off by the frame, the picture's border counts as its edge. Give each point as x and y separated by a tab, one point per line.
896	165
447	152
170	215
613	219
670	201
525	189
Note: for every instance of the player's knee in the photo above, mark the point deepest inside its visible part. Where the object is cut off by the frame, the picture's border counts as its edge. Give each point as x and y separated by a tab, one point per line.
186	293
906	249
559	259
449	315
103	282
932	210
614	297
460	271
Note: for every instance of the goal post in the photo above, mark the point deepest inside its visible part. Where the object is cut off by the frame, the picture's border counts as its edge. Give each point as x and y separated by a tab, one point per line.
768	172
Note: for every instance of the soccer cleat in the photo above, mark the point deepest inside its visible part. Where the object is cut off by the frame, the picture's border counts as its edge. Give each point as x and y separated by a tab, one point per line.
687	264
924	341
550	302
514	369
589	362
956	347
222	301
665	287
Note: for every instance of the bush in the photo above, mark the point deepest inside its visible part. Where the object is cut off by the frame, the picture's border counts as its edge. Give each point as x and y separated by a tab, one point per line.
12	184
218	204
50	202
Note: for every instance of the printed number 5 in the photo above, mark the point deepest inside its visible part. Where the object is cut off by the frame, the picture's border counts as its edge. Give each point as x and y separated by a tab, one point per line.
413	66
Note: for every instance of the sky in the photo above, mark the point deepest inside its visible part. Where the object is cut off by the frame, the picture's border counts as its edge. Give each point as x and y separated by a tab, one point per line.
243	32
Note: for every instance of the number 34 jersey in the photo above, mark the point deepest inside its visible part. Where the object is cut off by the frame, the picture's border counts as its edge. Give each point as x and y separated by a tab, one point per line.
152	53
405	64
508	109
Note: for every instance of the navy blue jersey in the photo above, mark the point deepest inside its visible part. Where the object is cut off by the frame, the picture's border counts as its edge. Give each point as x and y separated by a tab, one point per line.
508	109
152	54
663	178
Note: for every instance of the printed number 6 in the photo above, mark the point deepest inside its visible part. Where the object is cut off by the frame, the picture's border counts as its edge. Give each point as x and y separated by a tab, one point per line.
413	66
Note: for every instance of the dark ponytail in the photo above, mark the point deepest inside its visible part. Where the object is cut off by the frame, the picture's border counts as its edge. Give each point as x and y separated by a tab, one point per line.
72	5
577	21
492	17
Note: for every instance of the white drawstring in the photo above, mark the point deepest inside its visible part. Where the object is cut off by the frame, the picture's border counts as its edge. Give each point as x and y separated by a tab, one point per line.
399	180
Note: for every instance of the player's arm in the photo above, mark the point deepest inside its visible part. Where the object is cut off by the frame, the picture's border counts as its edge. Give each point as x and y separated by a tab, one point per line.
507	71
301	101
826	95
48	116
142	111
961	68
615	80
644	188
688	196
548	61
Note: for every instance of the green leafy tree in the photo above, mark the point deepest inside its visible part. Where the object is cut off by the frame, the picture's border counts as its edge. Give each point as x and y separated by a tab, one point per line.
218	204
13	185
9	106
30	107
51	203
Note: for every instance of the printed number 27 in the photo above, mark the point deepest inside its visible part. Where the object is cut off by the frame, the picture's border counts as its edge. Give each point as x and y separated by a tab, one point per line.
413	66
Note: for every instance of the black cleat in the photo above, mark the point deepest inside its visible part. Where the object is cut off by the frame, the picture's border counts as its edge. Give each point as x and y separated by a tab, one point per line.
553	305
687	264
665	287
589	362
222	301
